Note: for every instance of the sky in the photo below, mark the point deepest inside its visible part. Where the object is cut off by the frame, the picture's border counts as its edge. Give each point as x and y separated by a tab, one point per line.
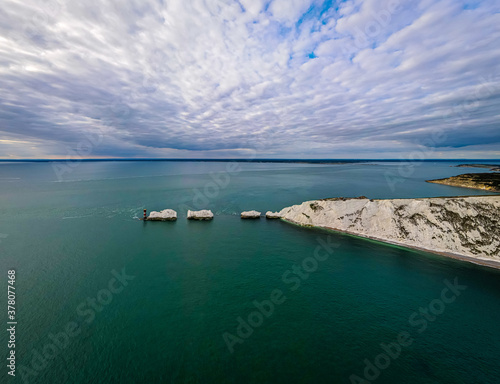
367	79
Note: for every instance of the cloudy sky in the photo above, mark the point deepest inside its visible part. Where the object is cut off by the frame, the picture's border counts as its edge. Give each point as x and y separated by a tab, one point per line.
250	78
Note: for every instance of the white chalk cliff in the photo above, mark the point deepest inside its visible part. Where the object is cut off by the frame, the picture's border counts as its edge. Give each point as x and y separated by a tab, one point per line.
461	226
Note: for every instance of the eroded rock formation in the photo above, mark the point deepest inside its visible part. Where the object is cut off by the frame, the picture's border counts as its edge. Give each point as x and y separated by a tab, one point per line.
272	215
165	215
250	215
200	215
467	226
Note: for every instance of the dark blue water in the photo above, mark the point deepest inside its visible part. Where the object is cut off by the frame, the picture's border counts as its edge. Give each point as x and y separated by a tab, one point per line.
182	286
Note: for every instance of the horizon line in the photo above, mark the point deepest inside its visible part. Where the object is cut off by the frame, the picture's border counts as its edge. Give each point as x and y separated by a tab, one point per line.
238	159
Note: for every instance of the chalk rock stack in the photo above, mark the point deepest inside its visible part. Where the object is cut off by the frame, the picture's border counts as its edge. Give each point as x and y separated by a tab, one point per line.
165	215
272	215
250	215
200	215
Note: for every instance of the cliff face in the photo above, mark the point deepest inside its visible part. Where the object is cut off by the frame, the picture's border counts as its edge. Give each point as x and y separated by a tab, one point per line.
464	226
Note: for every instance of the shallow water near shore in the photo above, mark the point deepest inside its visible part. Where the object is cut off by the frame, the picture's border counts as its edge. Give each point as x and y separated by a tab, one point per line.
188	282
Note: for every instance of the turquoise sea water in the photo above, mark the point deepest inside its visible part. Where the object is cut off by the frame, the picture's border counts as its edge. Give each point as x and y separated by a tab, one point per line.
192	281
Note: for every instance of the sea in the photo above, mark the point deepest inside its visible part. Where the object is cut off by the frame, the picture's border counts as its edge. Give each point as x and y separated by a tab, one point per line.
103	297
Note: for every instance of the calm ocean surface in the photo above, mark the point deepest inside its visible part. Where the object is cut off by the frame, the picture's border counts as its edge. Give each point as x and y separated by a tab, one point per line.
192	280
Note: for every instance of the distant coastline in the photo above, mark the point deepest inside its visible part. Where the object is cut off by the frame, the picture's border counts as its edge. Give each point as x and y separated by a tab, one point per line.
483	181
297	161
263	160
491	167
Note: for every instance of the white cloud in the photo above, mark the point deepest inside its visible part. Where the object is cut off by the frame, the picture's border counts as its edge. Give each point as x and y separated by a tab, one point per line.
205	77
289	11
